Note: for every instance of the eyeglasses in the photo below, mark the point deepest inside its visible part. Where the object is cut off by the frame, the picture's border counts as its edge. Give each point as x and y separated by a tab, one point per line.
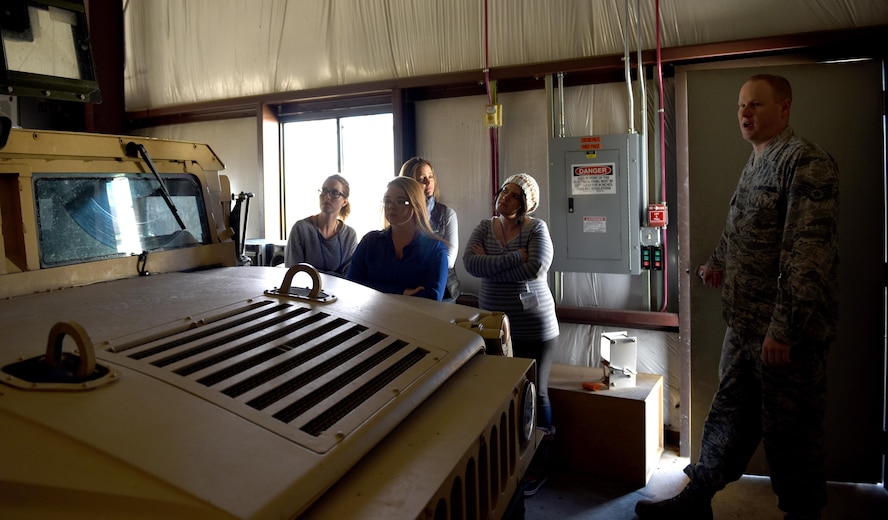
333	194
397	203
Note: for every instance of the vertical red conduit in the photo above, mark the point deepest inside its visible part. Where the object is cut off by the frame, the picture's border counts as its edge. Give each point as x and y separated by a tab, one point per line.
494	131
662	161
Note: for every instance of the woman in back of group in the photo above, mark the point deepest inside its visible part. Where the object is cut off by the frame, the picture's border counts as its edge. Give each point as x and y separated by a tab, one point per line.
442	218
324	240
511	254
406	257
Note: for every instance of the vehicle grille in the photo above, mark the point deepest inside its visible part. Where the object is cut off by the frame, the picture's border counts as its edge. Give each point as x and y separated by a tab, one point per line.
297	370
461	456
482	485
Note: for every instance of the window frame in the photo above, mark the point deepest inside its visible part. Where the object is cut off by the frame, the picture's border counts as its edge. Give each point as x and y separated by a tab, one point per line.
337	108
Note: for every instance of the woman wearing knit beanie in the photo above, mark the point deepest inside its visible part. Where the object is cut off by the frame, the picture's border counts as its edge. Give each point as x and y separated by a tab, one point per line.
511	254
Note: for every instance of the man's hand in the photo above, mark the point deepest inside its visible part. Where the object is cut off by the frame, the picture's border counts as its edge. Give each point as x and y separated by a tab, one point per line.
710	277
774	353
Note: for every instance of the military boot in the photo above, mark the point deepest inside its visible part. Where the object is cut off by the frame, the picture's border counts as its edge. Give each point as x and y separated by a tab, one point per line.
690	504
693	503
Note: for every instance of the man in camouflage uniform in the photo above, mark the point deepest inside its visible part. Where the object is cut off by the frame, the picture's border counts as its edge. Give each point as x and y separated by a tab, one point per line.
778	258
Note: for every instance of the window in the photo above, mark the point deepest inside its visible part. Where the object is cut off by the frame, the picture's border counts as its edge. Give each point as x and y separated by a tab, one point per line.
360	148
47	51
89	217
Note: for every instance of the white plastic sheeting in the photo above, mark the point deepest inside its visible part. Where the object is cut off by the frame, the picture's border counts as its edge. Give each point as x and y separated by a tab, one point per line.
188	51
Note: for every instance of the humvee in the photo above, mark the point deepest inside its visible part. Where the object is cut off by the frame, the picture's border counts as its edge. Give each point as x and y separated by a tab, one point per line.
144	373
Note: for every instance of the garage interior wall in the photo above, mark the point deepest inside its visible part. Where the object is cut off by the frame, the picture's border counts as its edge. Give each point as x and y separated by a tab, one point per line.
205	50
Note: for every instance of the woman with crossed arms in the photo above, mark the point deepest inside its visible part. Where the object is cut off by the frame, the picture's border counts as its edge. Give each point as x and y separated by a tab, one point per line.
511	254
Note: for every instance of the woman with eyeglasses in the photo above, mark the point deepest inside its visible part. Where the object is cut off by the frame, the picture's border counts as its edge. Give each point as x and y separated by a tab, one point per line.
324	240
406	257
511	254
441	217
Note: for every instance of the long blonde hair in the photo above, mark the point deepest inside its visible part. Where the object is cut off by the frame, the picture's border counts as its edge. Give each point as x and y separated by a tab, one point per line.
416	196
411	168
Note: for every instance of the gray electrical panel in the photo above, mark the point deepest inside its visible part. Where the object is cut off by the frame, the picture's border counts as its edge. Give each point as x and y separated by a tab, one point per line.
595	199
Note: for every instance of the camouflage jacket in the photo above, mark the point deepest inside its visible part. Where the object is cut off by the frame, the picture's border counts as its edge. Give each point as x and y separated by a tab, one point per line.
779	248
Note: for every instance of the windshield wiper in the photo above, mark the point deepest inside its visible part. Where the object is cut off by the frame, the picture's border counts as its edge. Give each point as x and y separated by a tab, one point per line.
135	150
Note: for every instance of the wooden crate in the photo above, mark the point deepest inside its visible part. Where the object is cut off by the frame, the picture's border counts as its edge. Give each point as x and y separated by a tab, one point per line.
614	433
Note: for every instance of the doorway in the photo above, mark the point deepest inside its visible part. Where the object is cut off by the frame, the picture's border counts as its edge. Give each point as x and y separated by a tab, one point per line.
839	106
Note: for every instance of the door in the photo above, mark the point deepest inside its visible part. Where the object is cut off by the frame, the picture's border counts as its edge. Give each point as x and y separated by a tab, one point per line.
838	106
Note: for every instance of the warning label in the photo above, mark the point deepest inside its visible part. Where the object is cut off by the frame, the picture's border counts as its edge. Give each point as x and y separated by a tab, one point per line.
593	179
594	224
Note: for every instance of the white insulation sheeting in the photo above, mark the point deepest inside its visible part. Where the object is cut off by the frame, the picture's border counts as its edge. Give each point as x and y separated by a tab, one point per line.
180	52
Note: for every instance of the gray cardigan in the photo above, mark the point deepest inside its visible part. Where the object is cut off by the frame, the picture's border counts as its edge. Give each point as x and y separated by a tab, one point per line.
331	255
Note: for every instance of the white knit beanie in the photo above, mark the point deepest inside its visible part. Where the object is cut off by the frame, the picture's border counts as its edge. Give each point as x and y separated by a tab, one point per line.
529	187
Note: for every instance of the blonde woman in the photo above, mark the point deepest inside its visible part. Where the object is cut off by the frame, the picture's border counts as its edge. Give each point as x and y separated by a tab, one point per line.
324	240
441	217
406	257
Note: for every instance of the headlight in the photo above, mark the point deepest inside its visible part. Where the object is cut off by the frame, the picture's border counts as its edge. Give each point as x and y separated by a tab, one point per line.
494	328
528	411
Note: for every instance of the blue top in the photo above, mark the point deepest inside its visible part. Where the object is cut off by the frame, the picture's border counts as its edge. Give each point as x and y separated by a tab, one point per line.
424	262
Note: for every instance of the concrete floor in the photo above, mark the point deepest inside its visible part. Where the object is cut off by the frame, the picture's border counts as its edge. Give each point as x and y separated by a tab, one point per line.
574	496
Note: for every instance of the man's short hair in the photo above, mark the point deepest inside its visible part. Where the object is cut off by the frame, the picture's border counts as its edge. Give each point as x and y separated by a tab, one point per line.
780	85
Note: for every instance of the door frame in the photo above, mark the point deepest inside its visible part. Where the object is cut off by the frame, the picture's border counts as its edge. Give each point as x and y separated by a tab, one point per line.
692	418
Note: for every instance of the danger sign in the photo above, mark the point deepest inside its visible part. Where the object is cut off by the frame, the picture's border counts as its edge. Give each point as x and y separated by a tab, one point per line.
599	169
593	179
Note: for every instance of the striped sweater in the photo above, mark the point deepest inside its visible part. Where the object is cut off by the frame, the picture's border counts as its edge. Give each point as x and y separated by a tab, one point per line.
504	278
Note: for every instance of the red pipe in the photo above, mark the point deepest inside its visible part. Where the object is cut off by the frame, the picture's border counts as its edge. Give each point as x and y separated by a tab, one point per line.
662	162
494	132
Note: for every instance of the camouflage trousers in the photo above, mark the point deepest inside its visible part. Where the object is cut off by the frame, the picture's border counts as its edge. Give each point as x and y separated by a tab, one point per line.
783	407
